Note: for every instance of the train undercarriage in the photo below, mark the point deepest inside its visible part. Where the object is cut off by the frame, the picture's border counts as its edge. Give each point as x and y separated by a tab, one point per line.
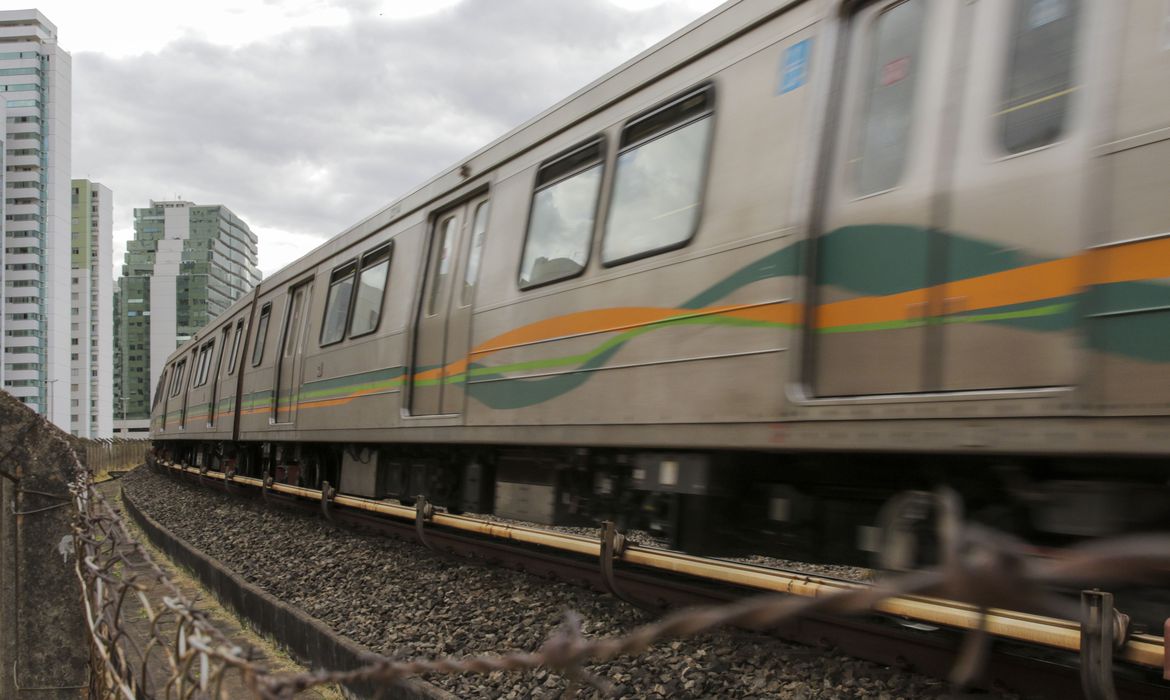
810	507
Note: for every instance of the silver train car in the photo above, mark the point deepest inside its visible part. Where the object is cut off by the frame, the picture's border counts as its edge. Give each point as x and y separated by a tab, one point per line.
795	259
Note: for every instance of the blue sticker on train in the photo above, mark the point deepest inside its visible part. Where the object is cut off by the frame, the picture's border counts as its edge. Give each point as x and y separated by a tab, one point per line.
794	71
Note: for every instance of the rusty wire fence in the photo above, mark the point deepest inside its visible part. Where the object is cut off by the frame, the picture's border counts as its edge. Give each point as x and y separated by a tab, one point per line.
149	641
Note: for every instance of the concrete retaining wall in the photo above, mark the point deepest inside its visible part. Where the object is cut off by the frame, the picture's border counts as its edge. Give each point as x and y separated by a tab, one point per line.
43	648
305	638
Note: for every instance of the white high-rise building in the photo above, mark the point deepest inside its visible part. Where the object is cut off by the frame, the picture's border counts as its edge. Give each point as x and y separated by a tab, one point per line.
35	85
91	381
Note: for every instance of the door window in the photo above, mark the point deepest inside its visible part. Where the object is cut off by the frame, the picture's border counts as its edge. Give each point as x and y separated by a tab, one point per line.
261	334
177	378
205	355
235	346
159	391
882	142
1039	81
442	262
475	254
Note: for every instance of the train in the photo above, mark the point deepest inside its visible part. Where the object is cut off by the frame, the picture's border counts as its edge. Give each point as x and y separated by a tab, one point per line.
793	261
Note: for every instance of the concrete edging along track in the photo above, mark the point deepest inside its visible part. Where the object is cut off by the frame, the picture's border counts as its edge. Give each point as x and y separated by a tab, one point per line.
305	638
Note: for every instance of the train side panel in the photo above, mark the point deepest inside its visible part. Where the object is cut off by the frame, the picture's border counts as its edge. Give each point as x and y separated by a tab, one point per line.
1130	314
351	383
692	335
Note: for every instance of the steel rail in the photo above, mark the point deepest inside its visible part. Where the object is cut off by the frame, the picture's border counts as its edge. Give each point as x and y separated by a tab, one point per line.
1065	635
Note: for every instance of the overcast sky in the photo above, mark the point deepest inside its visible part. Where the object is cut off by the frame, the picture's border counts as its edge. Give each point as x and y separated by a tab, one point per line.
304	116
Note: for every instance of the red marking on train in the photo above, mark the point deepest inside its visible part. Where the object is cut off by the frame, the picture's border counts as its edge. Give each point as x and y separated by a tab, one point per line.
895	71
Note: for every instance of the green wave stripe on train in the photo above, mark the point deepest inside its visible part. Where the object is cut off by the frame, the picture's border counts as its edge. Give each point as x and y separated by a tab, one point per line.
864	260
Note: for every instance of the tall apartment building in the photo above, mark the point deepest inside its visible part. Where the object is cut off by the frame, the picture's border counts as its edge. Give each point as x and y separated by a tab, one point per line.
35	85
3	267
91	381
186	265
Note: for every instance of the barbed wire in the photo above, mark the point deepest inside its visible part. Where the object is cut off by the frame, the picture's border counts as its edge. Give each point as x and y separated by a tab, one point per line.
981	567
149	640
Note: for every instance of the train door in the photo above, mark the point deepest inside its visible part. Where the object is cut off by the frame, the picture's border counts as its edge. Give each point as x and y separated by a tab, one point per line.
1014	228
877	207
289	355
443	322
458	343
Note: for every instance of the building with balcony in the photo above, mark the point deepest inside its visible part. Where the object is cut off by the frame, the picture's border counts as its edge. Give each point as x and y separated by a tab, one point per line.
186	265
35	87
91	381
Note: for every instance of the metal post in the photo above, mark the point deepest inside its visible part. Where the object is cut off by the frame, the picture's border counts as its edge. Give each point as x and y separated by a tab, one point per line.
423	511
1103	631
612	545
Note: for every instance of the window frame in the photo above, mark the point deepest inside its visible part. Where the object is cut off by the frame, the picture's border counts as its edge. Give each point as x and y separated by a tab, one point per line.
177	378
1075	69
352	262
159	391
602	144
439	235
466	302
855	142
388	249
237	340
206	351
258	345
708	152
194	362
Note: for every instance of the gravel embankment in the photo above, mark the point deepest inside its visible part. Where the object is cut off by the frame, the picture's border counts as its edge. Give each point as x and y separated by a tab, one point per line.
405	601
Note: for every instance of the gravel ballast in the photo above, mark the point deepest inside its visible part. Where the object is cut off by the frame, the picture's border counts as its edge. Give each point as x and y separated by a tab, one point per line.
404	601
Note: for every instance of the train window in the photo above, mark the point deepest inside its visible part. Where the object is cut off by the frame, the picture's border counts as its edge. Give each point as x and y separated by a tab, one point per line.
209	348
197	366
194	368
177	378
560	225
159	390
205	355
658	184
442	262
371	288
884	133
475	254
1039	80
236	346
261	334
337	303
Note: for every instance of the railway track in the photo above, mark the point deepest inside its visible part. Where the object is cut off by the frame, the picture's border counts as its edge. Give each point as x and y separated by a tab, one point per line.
1032	655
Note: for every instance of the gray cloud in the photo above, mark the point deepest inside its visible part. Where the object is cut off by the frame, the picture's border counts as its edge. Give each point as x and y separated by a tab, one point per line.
306	133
